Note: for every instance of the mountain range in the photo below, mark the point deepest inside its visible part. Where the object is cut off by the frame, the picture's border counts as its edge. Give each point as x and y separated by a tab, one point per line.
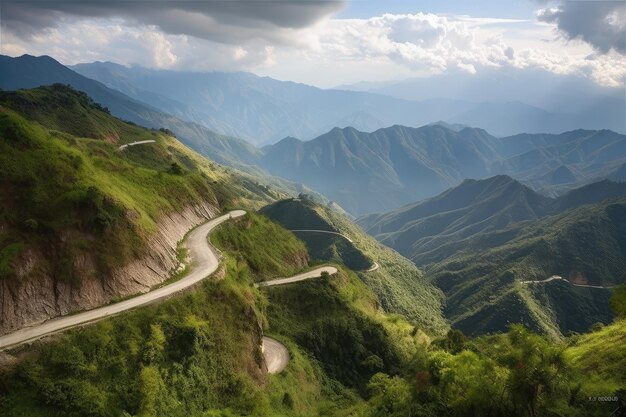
483	241
397	164
263	110
572	99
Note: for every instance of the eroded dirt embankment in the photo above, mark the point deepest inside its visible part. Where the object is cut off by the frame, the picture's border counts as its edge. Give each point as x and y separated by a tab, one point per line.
35	296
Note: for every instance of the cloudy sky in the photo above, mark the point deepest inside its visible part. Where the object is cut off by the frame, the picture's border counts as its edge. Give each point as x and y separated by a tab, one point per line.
327	43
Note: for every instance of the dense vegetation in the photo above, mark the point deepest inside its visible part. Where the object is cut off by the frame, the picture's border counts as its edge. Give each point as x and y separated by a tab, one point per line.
586	246
69	178
300	214
270	251
480	240
397	283
513	374
198	355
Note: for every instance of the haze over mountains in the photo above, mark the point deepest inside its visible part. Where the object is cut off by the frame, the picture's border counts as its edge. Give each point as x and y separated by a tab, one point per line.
263	110
195	223
395	164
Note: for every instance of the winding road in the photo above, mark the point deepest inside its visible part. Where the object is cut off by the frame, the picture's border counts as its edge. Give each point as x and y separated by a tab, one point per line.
560	278
314	273
205	262
276	355
141	142
324	231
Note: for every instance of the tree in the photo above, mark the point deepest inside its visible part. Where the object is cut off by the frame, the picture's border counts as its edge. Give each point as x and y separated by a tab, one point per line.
618	301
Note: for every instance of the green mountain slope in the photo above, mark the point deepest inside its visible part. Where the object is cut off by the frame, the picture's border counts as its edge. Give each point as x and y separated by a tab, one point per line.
29	72
586	246
397	283
480	240
475	212
75	210
367	172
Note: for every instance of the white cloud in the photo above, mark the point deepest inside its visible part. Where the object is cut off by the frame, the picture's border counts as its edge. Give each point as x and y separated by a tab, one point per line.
333	51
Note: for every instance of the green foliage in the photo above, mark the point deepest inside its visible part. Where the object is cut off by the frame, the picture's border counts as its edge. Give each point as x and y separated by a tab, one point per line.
350	346
180	358
618	301
69	193
518	373
301	215
269	250
398	284
585	245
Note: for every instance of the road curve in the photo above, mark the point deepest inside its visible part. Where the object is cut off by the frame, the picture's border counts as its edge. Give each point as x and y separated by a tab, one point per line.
373	268
559	278
276	355
324	231
121	148
315	273
205	262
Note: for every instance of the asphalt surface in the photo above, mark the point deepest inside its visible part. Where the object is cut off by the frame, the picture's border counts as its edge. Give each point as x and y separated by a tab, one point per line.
205	262
559	278
276	355
141	142
315	273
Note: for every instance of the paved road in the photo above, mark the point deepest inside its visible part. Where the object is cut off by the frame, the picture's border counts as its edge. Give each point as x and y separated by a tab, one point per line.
324	231
121	148
276	355
373	267
315	273
205	262
559	278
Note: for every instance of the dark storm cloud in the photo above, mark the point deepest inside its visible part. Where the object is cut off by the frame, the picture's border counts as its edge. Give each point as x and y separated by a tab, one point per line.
599	23
220	20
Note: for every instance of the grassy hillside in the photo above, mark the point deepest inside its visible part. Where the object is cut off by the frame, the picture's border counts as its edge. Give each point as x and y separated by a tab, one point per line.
296	214
197	354
397	283
477	210
270	250
62	174
337	320
601	357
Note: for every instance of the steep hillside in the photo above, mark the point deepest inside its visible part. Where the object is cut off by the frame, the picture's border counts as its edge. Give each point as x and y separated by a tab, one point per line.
397	283
297	214
485	284
29	72
477	210
83	222
478	241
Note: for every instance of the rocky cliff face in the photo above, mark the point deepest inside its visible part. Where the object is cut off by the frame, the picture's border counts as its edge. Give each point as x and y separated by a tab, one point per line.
35	296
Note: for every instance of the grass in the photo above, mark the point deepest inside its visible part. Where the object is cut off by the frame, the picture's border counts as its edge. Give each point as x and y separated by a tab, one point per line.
269	250
398	285
61	177
600	355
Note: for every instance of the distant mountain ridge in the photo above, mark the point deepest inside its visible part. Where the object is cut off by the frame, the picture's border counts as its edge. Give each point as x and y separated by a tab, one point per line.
395	165
398	164
263	110
28	72
435	229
